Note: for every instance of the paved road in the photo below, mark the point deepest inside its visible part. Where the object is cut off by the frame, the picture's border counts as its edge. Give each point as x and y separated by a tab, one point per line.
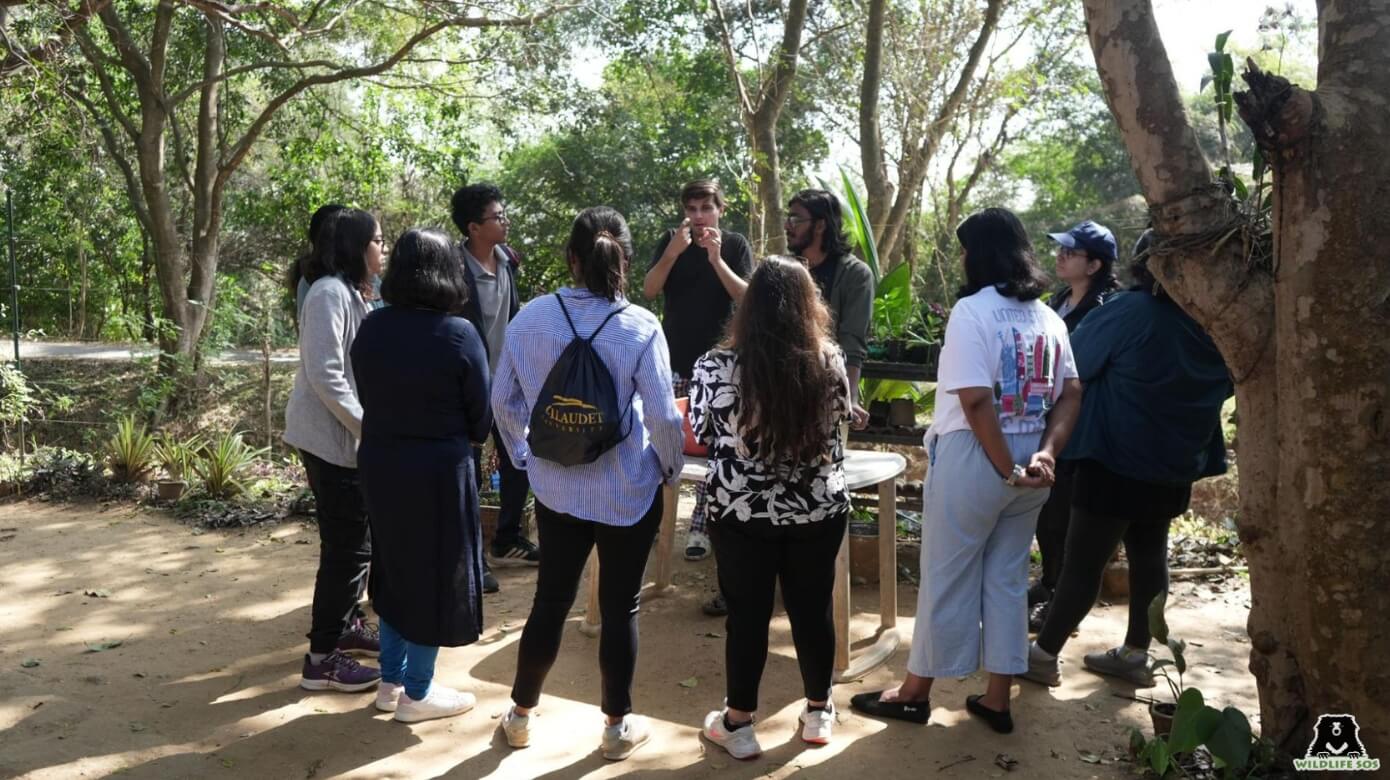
68	350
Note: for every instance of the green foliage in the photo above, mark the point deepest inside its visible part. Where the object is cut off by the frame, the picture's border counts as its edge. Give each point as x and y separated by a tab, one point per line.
860	230
130	451
61	473
223	464
177	456
18	399
895	306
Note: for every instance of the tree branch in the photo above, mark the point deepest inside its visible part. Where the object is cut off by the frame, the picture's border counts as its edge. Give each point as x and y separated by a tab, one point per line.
15	59
93	54
726	43
240	149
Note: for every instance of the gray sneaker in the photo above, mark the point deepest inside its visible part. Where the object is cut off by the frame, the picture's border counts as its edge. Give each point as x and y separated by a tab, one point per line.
1123	662
623	739
1042	669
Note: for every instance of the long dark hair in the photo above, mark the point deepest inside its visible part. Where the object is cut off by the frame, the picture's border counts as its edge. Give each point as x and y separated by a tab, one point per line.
1104	281
998	254
1144	279
781	332
341	248
426	272
298	267
822	205
598	249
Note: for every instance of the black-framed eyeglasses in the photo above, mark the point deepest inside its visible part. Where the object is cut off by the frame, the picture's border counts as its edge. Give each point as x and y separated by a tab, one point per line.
500	217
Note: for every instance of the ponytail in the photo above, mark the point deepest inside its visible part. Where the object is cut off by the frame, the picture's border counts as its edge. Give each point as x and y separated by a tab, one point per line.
600	245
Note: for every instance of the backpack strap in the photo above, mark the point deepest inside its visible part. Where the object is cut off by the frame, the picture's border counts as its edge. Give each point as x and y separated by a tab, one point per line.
575	331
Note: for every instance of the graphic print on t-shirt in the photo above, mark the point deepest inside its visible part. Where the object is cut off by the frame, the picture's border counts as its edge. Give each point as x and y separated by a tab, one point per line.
1027	370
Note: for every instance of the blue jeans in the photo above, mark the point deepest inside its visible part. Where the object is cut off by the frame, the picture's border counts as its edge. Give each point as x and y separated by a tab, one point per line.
404	661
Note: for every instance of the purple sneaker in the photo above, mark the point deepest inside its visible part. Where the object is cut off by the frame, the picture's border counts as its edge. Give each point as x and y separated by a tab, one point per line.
337	672
361	637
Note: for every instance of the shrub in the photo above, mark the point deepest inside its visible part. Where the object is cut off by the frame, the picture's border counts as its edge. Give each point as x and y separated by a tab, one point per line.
223	463
130	452
18	401
177	457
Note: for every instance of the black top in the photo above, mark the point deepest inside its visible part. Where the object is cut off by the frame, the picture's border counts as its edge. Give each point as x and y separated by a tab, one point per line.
1076	315
697	305
824	276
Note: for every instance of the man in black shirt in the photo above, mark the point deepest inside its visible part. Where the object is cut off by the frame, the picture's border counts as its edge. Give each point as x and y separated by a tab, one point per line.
702	271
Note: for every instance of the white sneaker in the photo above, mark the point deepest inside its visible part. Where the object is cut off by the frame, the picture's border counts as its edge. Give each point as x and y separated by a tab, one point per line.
741	742
816	724
696	546
516	728
439	702
386	696
623	739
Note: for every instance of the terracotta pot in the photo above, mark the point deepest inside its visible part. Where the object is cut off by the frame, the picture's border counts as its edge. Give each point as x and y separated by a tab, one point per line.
170	489
863	554
1114	584
901	413
1161	713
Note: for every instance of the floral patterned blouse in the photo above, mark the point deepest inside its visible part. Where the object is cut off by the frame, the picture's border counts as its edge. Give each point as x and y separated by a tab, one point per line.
741	487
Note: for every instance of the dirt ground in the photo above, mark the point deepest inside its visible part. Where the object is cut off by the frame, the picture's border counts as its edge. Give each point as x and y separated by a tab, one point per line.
211	630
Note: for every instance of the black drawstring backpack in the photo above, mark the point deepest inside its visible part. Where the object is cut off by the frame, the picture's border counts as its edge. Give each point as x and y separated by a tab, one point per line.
576	418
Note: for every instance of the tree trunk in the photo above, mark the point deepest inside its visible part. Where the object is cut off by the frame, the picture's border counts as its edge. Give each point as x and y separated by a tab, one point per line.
82	288
767	170
1302	338
872	159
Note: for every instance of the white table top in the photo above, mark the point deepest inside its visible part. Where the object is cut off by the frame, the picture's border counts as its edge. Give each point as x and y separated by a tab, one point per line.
863	468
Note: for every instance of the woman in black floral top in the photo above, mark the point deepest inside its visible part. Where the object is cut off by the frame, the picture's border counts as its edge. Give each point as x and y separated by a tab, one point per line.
769	403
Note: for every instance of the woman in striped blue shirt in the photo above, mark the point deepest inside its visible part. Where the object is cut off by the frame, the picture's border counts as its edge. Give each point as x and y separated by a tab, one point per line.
613	503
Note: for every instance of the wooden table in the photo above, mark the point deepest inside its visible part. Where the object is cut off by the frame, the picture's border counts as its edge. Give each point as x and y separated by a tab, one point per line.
863	468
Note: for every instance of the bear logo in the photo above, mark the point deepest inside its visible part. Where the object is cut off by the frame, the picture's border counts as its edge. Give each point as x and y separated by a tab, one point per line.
1336	736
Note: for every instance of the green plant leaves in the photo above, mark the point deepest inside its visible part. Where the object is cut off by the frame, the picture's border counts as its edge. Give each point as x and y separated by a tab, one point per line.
1193	722
1230	741
1159	756
1158	624
130	451
860	230
223	463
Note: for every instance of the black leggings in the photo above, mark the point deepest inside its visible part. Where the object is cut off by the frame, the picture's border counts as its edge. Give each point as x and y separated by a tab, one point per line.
345	550
1052	526
752	556
622	556
1091	541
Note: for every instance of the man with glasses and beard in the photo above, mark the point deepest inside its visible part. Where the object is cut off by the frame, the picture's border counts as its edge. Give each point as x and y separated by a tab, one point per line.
814	233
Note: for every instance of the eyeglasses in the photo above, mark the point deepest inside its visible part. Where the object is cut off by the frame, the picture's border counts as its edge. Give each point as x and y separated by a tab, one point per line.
500	217
793	220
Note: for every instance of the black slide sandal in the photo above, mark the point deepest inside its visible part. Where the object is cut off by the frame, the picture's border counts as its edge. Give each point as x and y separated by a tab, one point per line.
1001	722
910	711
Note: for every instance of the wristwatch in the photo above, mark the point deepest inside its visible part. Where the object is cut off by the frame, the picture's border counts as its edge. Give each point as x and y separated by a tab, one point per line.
1014	476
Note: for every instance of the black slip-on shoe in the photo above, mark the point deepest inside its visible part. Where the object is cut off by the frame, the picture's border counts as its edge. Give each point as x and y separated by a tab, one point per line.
910	711
1001	722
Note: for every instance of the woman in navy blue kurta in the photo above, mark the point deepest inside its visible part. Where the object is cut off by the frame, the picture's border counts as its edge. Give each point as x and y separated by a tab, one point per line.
422	377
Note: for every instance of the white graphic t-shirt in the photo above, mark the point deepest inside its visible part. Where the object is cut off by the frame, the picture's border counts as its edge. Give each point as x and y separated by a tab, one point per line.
1019	349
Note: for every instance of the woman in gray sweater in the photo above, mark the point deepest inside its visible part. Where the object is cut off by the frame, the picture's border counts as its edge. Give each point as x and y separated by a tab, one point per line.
323	421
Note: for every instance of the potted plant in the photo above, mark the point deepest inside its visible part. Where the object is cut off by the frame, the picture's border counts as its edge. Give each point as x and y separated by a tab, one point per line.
130	451
1187	723
176	458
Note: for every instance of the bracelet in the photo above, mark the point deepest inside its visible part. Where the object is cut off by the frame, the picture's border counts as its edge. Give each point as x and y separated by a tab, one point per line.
1018	473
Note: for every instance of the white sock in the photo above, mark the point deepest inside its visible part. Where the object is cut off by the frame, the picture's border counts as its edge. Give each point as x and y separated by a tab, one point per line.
317	658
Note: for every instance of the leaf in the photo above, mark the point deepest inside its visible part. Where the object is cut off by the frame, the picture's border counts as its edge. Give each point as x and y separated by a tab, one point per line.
1159	756
1205	81
1193	722
1230	741
1221	40
860	227
1088	756
1005	762
689	682
97	647
1177	646
1158	624
97	594
29	663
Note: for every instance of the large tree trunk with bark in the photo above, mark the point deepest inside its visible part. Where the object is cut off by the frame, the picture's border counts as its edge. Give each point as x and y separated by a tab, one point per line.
1305	338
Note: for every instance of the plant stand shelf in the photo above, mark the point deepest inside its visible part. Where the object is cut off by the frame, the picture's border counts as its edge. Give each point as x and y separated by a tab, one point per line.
903	438
913	372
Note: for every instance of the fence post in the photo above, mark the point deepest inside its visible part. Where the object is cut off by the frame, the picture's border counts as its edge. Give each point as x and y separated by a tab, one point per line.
14	299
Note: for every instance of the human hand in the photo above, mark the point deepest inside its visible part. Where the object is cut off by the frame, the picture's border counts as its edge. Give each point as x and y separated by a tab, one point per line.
680	239
859	418
1044	467
710	240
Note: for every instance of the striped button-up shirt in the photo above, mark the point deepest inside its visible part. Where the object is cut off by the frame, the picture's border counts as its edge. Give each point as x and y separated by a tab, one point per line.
618	487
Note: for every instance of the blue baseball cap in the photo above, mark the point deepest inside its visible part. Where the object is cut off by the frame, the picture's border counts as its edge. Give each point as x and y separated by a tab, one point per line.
1090	237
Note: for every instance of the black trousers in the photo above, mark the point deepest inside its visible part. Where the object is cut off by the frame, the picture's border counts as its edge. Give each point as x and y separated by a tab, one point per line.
345	550
752	557
622	557
1091	541
1052	525
515	485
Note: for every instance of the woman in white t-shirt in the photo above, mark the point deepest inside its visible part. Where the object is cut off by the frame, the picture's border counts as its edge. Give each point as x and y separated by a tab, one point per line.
1007	398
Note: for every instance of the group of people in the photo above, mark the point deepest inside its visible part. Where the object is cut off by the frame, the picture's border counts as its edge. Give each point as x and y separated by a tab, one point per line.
404	373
